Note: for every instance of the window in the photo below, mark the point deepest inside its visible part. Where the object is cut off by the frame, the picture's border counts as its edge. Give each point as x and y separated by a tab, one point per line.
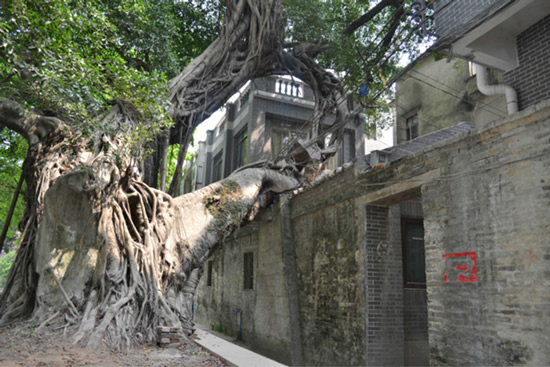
209	273
412	127
348	148
217	167
241	148
414	263
221	127
248	270
244	99
281	136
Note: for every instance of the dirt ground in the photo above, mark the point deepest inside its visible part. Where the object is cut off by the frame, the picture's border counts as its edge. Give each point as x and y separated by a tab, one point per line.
22	345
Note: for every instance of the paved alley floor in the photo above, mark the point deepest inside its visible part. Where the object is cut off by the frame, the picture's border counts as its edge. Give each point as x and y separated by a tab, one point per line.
233	353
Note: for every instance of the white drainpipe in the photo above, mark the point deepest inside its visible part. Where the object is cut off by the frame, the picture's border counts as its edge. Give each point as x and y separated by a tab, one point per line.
491	90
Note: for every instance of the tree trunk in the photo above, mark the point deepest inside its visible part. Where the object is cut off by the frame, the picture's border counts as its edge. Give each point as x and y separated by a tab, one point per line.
163	153
118	256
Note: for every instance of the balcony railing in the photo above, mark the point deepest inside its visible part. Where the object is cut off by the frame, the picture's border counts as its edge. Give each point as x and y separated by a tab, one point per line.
289	88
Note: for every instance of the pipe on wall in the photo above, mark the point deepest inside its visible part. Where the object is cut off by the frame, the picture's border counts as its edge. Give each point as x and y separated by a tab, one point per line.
497	89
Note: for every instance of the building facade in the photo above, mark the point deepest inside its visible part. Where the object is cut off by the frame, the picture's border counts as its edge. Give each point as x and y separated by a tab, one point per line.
269	113
439	257
511	36
437	93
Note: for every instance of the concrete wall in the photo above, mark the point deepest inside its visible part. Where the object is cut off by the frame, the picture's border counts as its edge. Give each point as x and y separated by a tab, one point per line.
531	78
435	90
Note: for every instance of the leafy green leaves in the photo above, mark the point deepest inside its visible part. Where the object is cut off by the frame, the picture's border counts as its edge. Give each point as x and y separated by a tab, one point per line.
74	59
364	57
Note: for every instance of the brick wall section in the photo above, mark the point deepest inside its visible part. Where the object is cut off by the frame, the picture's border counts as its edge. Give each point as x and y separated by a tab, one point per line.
453	15
384	291
415	314
531	78
489	193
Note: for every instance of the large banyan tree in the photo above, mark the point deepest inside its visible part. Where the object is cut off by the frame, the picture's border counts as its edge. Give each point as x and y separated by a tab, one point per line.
103	250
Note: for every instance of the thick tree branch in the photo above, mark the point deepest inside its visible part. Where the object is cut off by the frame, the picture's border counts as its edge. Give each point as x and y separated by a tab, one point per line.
371	14
31	126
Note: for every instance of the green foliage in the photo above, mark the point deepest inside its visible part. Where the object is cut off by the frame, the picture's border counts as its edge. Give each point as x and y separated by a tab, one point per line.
5	264
13	149
357	58
74	59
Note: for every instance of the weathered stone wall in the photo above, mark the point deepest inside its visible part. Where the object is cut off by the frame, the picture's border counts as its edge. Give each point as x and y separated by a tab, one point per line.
328	236
264	309
491	209
484	193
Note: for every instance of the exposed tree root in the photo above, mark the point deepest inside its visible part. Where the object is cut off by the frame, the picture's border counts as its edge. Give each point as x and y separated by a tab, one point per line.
141	269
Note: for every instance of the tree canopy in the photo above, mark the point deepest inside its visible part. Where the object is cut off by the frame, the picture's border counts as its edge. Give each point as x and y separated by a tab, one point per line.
86	55
73	60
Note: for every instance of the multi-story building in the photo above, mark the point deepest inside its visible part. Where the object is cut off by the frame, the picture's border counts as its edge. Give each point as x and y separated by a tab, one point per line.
269	113
436	93
512	36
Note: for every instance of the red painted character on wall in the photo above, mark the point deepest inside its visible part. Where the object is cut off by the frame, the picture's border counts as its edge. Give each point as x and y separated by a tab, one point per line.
460	267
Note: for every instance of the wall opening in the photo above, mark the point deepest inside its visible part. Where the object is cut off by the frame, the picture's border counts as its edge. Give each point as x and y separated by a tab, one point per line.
415	308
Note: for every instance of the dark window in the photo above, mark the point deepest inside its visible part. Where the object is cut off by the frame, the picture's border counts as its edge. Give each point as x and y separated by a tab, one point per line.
248	270
217	168
209	273
412	127
414	263
241	148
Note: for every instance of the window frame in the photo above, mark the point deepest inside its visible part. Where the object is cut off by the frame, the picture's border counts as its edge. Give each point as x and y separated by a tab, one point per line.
412	127
240	156
217	167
